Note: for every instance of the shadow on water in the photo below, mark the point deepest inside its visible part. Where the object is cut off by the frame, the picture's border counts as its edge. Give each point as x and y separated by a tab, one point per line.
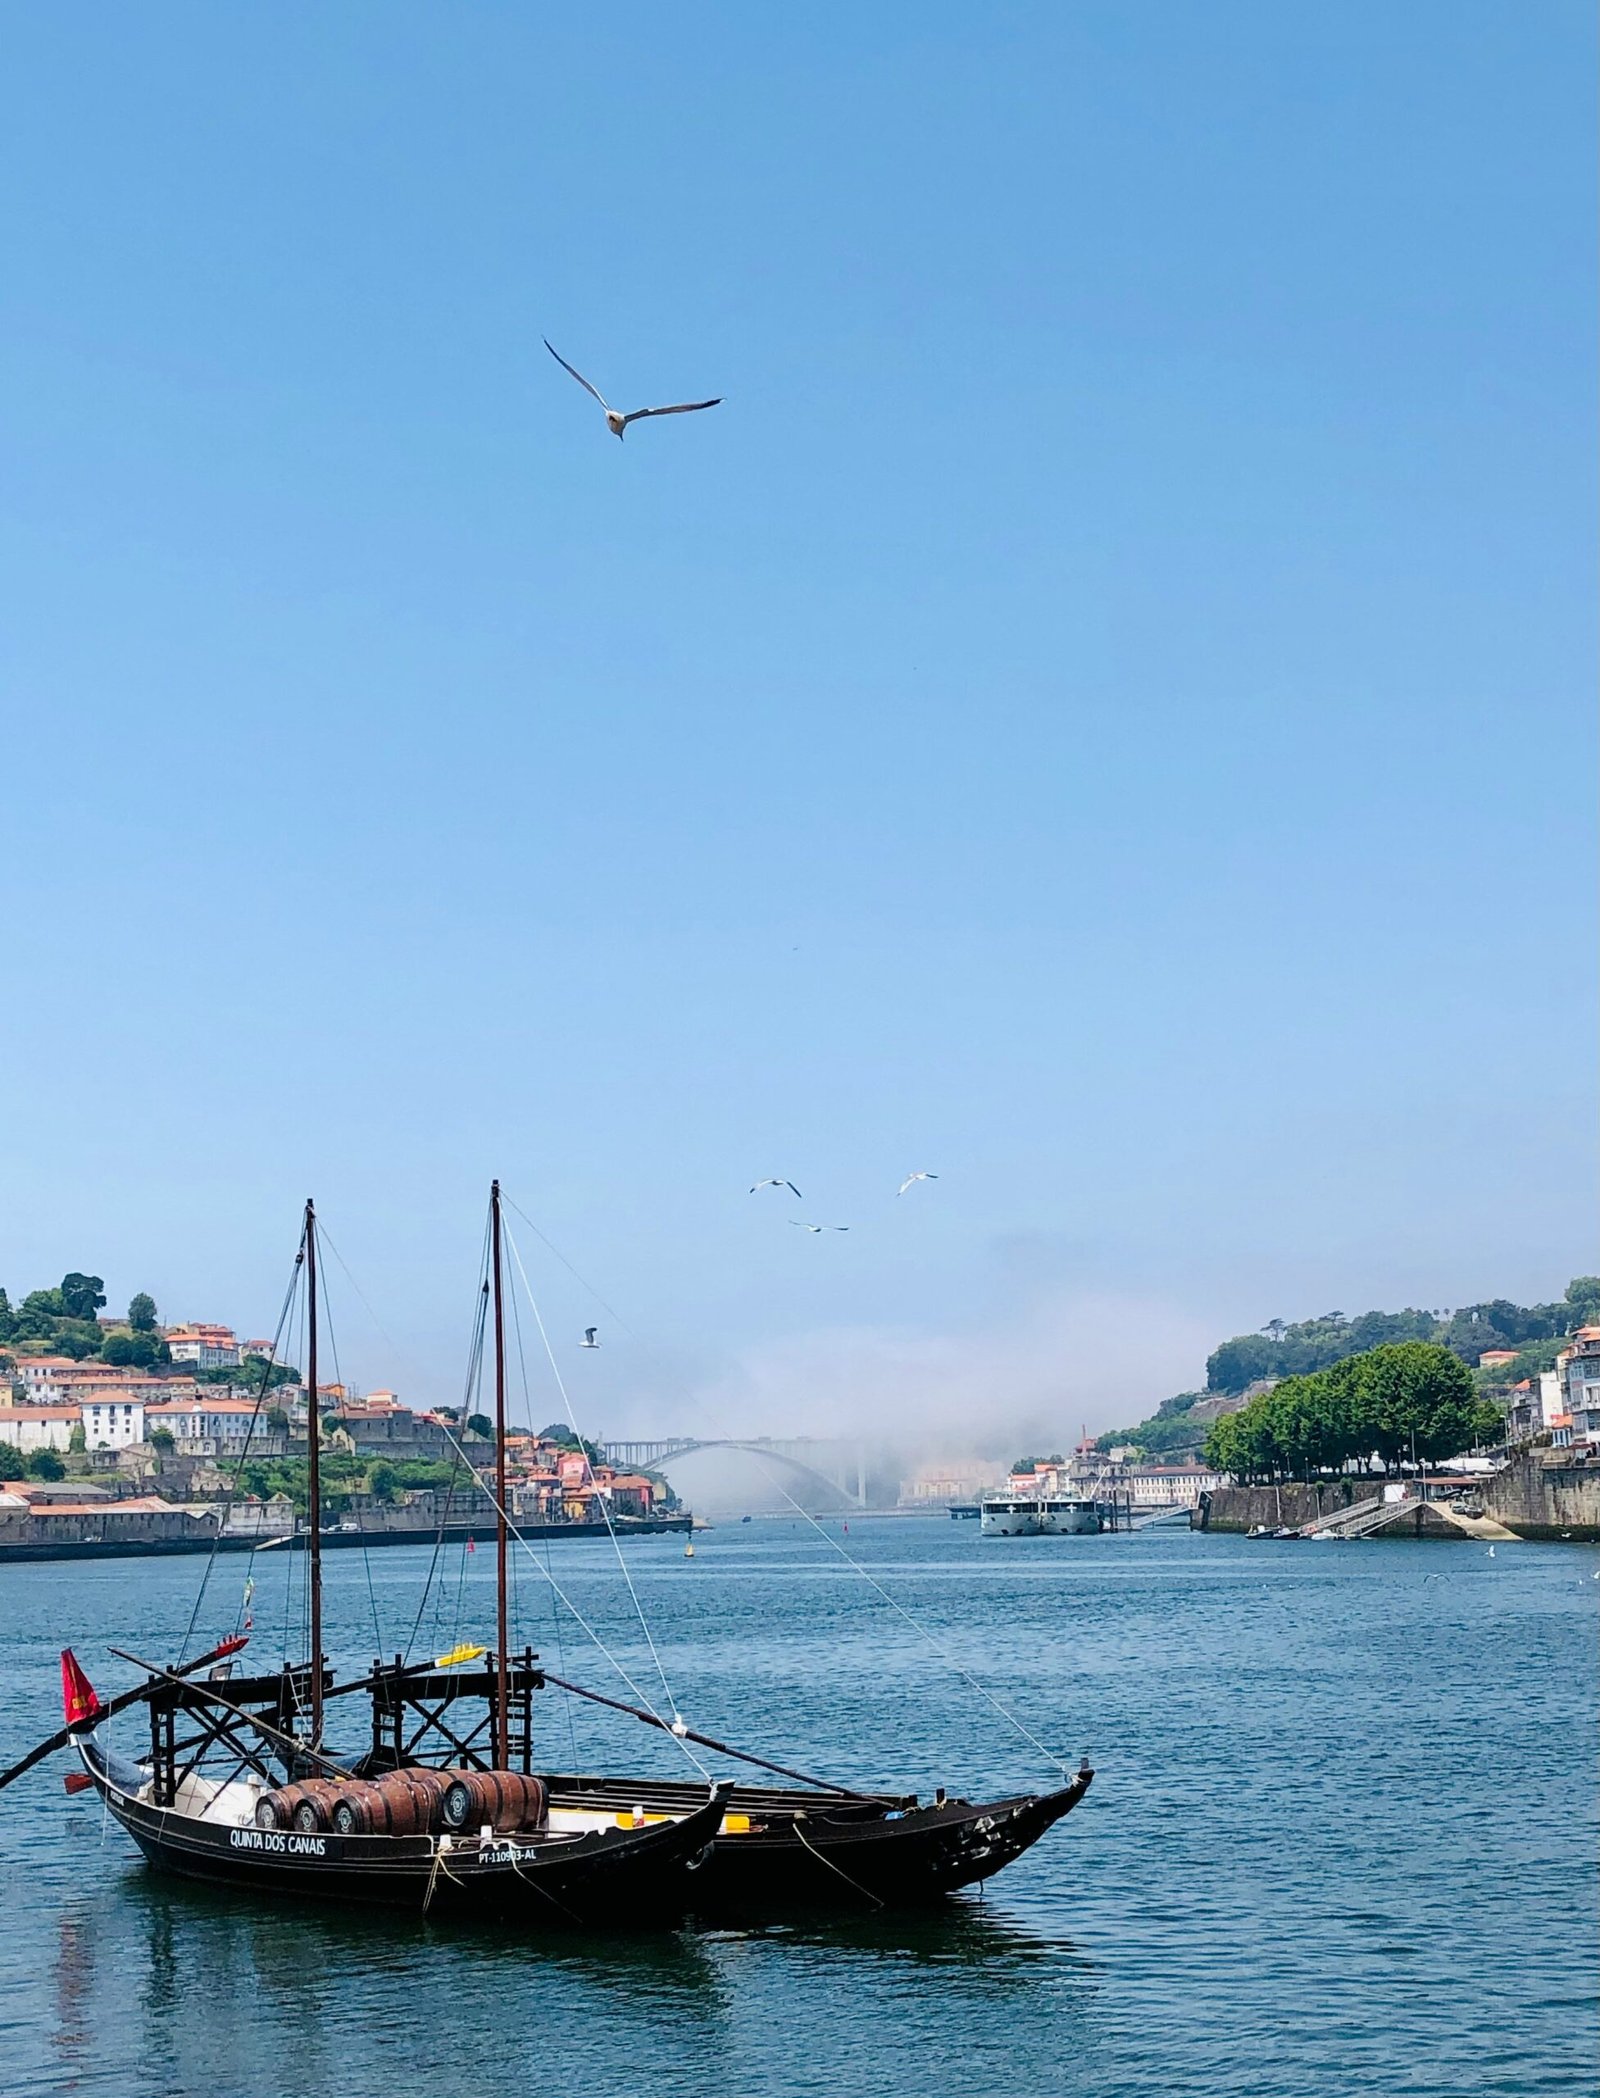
181	1928
953	1935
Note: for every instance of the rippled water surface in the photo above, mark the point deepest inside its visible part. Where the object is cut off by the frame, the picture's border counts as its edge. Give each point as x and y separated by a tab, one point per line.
1342	1839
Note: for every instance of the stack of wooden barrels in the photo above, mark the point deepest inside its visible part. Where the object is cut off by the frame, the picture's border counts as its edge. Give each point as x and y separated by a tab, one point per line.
410	1802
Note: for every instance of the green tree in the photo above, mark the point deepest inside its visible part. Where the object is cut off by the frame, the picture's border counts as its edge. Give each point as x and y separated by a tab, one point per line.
1417	1396
1582	1302
78	1441
480	1424
1488	1426
132	1350
45	1464
383	1481
161	1439
82	1295
77	1338
142	1313
8	1318
1240	1362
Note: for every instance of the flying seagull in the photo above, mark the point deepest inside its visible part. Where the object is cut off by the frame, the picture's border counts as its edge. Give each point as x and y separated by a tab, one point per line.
789	1184
616	423
911	1180
588	1340
801	1226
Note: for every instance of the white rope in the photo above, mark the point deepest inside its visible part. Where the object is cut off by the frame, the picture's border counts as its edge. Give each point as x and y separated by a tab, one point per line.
1010	1718
616	1542
561	1593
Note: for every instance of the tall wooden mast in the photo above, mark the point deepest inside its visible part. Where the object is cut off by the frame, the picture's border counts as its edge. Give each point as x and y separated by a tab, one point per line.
314	1480
502	1711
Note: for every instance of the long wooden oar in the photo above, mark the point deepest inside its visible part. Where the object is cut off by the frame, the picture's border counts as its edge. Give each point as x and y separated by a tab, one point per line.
272	1733
106	1711
709	1741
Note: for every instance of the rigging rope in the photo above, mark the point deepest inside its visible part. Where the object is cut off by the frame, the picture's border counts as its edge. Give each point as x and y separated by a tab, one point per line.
943	1652
555	1371
1009	1717
668	1726
238	1470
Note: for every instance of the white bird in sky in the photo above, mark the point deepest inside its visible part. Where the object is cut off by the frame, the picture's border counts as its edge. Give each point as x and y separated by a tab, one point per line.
588	1340
789	1184
616	423
801	1225
911	1180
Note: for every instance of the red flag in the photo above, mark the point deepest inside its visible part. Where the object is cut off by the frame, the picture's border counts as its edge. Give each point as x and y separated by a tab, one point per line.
77	1692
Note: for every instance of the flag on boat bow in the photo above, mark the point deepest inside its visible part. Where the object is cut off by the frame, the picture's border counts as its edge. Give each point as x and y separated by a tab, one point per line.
77	1692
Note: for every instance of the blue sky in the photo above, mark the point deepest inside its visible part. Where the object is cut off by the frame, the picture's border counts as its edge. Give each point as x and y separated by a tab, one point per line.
1102	712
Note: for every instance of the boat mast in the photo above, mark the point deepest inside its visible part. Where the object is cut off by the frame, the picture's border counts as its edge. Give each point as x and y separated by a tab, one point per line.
314	1479
502	1713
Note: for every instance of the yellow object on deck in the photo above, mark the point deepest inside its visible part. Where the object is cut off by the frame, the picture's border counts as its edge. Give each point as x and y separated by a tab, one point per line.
458	1654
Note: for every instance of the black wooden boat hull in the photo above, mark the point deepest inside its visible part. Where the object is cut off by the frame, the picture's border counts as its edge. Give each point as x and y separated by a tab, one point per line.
629	1879
807	1850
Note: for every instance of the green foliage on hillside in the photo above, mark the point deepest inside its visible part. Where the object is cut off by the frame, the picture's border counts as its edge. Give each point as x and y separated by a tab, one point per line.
1407	1398
343	1475
1279	1350
64	1320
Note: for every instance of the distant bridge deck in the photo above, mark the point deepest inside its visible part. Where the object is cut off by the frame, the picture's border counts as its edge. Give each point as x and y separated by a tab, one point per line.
839	1463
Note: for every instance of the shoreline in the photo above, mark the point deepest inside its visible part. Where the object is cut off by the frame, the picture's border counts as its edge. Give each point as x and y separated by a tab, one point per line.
332	1540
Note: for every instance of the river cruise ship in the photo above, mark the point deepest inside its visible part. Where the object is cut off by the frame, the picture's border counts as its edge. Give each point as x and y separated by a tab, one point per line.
1037	1514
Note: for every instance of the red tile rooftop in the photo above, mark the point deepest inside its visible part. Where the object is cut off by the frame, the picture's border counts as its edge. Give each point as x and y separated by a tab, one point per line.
141	1506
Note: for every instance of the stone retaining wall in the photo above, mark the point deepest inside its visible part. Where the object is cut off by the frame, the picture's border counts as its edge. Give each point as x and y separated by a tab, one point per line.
1545	1495
1248	1507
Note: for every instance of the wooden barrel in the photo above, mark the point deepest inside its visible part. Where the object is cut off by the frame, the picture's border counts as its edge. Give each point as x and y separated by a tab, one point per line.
401	1803
307	1806
312	1812
504	1799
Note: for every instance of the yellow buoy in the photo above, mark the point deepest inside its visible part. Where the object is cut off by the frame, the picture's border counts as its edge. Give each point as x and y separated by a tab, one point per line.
688	1550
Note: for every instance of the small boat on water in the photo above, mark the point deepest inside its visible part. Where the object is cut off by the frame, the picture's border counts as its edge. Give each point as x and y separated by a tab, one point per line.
442	1810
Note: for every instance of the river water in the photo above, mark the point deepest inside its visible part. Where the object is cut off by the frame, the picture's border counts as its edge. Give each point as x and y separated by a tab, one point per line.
1342	1837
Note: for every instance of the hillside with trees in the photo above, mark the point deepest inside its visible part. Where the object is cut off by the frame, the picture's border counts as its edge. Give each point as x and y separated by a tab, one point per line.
66	1321
1411	1400
1537	1332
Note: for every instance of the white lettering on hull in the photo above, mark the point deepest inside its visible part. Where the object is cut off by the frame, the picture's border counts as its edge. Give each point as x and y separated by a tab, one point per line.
279	1842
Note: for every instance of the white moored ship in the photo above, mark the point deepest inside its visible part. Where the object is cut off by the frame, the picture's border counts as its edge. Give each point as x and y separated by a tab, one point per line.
1037	1514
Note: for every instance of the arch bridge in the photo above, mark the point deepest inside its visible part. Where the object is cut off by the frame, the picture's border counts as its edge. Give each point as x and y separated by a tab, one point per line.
840	1465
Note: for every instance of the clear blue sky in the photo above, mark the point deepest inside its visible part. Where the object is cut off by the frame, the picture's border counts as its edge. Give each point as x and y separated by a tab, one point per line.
1102	712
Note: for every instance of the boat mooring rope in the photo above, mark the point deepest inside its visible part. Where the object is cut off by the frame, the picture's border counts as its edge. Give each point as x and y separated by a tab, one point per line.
943	1652
832	1867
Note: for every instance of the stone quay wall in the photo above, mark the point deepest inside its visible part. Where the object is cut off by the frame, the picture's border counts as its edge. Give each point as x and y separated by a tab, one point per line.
1249	1507
1548	1495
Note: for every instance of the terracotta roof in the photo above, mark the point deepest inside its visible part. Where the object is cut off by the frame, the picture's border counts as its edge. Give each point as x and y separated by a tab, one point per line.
146	1505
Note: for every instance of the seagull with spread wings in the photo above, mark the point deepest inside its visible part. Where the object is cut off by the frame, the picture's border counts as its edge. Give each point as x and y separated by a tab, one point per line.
800	1225
911	1180
789	1184
616	423
588	1340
